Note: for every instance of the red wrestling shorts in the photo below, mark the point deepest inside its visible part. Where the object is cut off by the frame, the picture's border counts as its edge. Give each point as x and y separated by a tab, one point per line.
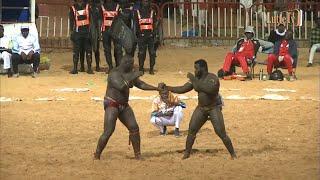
109	102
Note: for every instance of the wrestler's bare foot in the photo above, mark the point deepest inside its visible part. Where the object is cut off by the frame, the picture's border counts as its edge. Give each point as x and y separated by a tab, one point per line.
96	156
186	156
233	156
138	157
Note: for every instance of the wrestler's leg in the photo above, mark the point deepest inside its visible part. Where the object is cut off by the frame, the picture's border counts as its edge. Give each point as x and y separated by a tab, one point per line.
110	118
197	120
217	121
129	120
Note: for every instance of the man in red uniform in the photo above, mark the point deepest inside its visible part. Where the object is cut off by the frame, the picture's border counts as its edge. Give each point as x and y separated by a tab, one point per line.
244	54
285	55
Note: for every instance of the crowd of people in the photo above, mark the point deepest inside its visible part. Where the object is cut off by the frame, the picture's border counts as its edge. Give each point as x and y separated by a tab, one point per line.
91	19
23	48
281	48
131	27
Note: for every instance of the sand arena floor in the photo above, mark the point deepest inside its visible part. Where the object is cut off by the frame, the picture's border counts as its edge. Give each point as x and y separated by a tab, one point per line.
56	139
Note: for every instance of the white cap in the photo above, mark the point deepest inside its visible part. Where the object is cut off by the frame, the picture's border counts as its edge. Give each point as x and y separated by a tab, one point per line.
281	34
249	29
24	27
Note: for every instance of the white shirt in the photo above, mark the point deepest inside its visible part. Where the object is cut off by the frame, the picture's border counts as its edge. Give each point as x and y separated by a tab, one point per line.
21	44
5	42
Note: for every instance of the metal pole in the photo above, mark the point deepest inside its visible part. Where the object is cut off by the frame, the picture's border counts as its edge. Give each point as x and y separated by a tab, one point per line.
54	26
299	31
206	21
240	15
68	29
251	19
181	22
231	22
48	26
32	11
311	19
293	28
305	25
188	22
225	22
247	17
169	33
199	22
61	21
237	23
218	21
257	26
263	22
40	26
193	24
287	19
175	21
211	22
268	21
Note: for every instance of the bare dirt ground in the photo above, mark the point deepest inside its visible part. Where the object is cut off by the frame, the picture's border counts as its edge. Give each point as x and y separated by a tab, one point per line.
56	139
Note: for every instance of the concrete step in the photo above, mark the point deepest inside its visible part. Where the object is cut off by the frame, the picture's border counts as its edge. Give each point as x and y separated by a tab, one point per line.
23	68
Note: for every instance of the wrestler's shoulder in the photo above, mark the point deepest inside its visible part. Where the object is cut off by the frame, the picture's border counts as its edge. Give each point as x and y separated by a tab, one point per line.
212	76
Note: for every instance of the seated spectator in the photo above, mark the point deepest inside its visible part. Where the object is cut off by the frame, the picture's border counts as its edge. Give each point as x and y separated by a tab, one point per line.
26	50
277	34
5	51
167	111
314	41
285	56
244	53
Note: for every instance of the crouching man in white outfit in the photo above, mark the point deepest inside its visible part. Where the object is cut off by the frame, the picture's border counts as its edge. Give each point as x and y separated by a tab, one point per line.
167	111
5	51
26	50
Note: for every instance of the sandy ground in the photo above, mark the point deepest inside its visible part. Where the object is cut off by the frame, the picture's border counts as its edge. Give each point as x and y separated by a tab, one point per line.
56	139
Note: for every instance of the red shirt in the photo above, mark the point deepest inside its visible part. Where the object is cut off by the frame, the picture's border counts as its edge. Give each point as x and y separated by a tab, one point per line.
247	49
284	48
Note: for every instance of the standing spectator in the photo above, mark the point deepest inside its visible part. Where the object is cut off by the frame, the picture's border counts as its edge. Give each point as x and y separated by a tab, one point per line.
95	30
314	41
146	20
109	10
5	51
26	50
79	23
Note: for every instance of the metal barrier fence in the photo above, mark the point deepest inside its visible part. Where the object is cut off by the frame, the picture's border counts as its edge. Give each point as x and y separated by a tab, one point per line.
187	20
53	27
202	20
298	17
216	20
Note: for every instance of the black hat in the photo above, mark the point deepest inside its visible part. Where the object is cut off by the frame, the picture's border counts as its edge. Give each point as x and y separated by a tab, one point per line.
276	75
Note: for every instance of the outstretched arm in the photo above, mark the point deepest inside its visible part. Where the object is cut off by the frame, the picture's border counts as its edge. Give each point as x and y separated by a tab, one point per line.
181	89
144	86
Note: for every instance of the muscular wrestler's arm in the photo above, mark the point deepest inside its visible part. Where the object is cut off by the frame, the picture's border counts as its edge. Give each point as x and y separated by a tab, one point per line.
116	80
144	86
181	89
